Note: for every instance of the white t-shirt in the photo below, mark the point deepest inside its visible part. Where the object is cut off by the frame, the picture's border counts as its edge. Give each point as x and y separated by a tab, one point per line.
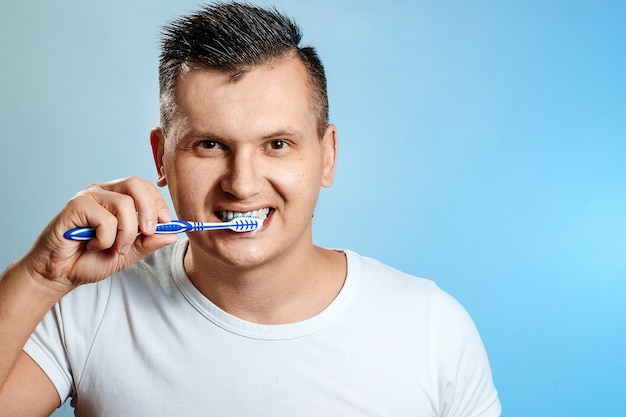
146	342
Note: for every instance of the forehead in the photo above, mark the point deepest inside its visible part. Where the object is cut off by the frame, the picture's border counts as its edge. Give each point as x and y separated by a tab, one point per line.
273	96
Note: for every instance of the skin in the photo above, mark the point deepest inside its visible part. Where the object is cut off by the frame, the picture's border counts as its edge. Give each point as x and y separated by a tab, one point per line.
55	266
234	146
248	145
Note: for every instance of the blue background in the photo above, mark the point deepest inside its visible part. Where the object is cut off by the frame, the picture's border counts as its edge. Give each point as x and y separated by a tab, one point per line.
482	145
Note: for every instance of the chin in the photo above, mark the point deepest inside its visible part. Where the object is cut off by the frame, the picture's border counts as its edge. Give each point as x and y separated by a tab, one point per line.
243	256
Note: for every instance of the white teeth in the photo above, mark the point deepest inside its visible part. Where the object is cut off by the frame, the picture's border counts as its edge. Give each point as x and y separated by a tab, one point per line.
229	215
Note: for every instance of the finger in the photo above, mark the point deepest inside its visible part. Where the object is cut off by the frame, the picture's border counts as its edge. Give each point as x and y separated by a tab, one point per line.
84	210
149	203
113	217
151	208
122	206
145	245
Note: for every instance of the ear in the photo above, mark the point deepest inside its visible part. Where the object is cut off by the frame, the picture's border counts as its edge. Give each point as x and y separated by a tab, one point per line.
157	141
329	142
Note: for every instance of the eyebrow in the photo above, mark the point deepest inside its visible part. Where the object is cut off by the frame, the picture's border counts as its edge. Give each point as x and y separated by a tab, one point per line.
193	133
284	133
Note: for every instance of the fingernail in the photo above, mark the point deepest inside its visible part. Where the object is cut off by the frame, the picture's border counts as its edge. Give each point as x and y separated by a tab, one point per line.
151	226
124	250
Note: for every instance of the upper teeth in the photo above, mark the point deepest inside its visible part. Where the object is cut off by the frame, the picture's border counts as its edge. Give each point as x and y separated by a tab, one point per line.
227	216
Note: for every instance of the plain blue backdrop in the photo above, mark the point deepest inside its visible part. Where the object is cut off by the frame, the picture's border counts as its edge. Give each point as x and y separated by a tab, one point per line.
482	145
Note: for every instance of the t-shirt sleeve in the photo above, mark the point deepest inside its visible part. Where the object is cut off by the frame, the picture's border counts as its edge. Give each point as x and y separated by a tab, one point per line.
70	326
466	383
46	348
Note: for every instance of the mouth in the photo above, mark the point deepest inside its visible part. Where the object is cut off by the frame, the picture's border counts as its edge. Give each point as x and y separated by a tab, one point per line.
227	215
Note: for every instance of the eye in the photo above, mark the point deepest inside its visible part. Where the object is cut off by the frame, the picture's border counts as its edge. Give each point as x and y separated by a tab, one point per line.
208	144
277	144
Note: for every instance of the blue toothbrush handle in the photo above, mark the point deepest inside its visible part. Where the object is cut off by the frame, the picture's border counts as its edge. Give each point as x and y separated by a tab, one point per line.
88	233
80	233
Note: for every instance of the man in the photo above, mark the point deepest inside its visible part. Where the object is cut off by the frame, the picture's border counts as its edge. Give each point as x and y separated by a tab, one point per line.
222	323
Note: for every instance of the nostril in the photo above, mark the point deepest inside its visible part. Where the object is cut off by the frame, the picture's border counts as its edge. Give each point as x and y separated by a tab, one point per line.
241	179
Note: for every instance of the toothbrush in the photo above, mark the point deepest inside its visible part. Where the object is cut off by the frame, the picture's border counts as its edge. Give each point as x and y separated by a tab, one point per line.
239	224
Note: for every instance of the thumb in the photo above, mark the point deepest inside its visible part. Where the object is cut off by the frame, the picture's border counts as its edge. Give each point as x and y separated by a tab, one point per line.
146	245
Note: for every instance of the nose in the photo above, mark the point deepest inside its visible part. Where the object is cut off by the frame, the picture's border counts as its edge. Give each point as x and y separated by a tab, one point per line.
241	179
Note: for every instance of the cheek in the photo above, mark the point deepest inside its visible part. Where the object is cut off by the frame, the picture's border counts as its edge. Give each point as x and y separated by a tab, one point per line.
299	180
188	185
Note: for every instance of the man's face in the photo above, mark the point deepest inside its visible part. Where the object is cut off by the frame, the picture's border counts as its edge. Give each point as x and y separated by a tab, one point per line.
249	145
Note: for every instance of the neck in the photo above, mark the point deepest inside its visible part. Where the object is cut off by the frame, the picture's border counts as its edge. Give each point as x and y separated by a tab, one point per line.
291	288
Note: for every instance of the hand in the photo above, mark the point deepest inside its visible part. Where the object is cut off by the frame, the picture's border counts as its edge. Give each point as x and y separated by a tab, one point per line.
117	210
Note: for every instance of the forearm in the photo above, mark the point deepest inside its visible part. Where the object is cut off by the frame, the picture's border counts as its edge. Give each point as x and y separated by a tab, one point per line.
24	300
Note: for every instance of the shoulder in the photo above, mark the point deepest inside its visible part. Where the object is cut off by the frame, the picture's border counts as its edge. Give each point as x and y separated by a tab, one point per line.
433	327
406	297
386	280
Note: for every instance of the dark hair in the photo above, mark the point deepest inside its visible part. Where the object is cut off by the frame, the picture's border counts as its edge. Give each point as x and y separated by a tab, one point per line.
234	38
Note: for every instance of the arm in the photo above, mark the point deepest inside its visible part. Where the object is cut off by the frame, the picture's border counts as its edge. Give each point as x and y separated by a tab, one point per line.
467	388
55	266
27	390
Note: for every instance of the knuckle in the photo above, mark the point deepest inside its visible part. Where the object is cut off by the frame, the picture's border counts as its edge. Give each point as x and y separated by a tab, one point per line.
80	199
134	181
94	185
126	202
109	222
